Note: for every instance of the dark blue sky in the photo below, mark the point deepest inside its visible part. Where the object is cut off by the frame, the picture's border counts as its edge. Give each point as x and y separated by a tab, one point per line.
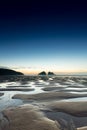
44	35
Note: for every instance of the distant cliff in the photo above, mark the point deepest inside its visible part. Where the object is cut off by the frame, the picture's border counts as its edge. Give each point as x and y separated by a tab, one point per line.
9	72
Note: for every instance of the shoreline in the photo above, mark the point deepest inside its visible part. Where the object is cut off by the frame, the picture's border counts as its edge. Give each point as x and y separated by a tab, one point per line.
53	104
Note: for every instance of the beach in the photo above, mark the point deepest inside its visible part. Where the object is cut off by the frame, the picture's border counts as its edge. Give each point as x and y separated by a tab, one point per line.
43	103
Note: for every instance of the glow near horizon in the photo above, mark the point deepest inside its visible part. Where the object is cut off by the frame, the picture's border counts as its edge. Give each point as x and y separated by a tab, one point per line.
33	71
53	38
45	55
58	66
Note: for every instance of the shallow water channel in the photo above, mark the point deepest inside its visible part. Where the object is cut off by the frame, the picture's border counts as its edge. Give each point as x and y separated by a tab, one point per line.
27	85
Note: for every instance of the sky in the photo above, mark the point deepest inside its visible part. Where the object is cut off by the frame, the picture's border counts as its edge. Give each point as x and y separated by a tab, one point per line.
49	36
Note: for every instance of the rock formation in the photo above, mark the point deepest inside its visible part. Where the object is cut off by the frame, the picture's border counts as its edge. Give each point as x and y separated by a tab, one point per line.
43	73
9	72
51	73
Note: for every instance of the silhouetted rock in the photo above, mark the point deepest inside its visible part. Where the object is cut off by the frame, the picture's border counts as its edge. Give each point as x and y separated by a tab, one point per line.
51	73
9	72
43	73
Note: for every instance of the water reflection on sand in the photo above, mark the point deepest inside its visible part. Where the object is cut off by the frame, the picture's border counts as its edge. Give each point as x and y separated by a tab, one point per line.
42	85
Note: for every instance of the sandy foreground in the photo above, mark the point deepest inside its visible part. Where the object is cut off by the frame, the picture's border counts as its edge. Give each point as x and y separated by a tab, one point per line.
32	116
47	110
29	117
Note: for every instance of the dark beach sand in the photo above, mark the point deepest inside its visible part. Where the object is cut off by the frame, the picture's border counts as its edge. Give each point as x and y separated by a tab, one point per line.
74	108
27	118
48	96
23	86
82	128
16	89
1	94
52	109
56	108
59	116
66	89
30	117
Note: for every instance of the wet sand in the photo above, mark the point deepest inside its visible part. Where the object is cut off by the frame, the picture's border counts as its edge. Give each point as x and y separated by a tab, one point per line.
48	96
55	108
82	128
23	86
56	115
1	94
16	89
50	107
30	117
27	117
74	108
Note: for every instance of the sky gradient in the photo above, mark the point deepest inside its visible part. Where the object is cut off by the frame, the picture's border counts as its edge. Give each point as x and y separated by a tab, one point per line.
44	36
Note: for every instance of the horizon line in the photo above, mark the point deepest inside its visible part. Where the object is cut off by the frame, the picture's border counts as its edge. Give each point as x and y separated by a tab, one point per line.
33	71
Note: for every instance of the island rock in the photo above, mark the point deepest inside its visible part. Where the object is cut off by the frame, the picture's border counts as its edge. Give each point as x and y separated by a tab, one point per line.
51	73
43	73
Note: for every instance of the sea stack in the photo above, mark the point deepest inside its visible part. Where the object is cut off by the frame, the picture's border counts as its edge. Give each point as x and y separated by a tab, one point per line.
50	73
43	73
